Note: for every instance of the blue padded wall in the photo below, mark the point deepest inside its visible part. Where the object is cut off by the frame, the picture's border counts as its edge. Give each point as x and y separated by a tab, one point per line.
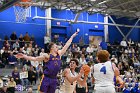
33	27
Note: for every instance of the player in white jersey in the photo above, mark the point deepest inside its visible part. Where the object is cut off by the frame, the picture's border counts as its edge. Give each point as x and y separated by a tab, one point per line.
71	78
104	73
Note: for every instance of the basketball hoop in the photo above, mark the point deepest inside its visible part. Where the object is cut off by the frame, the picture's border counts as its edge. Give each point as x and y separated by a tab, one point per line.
22	10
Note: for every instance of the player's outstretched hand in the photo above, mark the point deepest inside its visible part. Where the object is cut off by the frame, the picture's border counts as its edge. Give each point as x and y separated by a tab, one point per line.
75	34
19	55
81	71
122	84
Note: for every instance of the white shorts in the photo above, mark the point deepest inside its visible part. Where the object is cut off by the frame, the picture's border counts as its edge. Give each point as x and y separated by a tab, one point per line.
105	89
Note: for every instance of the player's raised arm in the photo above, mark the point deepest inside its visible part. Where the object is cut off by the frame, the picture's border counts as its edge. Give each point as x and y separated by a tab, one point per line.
38	58
66	46
116	70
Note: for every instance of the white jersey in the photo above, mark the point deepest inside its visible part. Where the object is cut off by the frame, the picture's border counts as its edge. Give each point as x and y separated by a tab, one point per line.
103	74
67	87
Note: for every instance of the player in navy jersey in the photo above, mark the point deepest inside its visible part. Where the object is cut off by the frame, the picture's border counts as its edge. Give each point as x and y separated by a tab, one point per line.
52	65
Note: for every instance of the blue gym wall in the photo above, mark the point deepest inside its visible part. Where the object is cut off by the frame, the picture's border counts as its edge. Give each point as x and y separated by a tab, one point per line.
37	27
86	30
115	35
33	27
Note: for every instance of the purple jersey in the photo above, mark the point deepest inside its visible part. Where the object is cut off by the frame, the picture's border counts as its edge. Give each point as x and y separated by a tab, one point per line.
52	67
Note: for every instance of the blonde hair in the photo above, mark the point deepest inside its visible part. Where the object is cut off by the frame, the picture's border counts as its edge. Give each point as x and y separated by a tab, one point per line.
103	55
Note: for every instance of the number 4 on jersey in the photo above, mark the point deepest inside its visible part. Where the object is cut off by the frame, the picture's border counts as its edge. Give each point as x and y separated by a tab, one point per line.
103	69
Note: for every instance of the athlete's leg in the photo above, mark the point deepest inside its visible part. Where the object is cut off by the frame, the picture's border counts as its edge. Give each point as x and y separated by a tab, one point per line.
99	90
53	85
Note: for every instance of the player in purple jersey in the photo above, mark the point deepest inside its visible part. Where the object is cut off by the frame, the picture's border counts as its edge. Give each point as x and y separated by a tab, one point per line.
52	65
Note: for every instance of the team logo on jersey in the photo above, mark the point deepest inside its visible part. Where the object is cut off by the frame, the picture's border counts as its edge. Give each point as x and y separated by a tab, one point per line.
56	63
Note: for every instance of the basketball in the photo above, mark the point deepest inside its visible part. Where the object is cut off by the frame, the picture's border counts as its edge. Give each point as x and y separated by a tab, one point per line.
86	69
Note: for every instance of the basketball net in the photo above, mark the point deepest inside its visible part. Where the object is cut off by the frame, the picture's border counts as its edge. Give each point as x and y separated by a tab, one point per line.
22	11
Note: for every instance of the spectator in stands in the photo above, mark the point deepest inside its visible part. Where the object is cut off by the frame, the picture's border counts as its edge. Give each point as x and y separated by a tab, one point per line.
37	50
29	48
26	37
16	44
36	47
6	44
82	60
15	75
6	37
20	50
2	65
4	89
25	48
95	49
134	88
24	78
75	50
60	45
26	64
5	56
1	83
11	85
83	51
123	43
89	49
55	38
138	91
126	89
40	71
81	42
12	59
13	37
41	54
115	59
15	51
32	41
2	50
68	59
103	45
21	41
32	75
47	40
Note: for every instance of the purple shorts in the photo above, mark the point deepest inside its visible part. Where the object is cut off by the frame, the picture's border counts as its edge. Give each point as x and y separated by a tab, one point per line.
48	85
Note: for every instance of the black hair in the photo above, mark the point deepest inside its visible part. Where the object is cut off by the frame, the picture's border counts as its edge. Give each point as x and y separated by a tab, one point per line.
75	60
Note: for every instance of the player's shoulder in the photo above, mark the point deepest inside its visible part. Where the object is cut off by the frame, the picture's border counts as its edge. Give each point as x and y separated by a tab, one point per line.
108	62
46	55
66	71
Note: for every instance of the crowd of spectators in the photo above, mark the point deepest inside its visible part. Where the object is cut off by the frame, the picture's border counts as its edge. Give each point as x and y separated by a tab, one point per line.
126	58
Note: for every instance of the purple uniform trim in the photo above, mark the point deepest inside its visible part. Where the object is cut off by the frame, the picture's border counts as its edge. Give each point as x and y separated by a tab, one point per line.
51	68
